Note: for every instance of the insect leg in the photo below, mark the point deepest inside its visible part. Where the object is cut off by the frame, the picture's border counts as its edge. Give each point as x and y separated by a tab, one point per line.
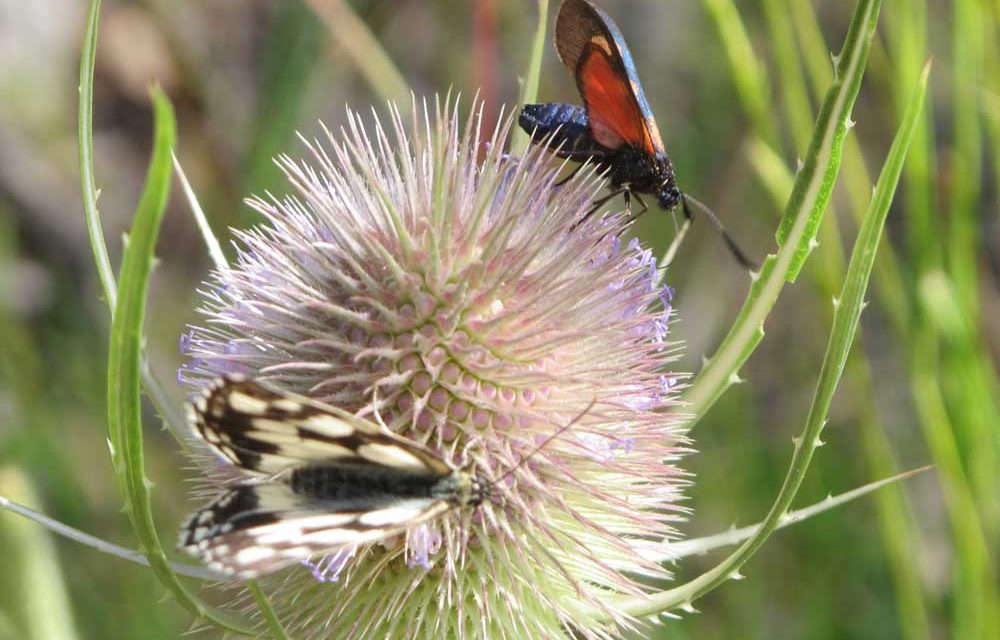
635	216
597	204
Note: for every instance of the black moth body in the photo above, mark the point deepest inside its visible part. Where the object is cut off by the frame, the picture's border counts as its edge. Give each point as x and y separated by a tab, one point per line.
317	479
614	128
565	129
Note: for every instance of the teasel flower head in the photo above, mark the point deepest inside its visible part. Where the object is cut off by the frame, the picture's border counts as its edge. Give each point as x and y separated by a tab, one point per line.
451	296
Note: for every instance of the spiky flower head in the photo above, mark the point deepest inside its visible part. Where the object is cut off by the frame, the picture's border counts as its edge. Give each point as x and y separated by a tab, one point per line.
453	298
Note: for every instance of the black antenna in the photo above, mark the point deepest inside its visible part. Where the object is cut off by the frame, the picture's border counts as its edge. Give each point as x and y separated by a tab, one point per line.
555	434
733	247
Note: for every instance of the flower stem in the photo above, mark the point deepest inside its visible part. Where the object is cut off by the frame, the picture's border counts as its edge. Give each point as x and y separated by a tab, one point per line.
803	214
847	313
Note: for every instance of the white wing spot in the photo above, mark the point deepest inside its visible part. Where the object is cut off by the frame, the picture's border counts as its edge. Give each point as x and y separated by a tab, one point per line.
253	554
247	403
391	455
266	425
287	404
392	516
329	426
337	537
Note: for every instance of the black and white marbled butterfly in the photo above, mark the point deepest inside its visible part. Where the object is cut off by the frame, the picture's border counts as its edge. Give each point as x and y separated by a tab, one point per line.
318	479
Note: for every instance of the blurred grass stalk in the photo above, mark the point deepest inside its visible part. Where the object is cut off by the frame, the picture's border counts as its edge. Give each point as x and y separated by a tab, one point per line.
363	49
936	324
34	603
290	62
529	83
969	379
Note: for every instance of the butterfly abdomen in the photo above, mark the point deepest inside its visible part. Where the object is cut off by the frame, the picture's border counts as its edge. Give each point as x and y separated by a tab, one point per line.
347	482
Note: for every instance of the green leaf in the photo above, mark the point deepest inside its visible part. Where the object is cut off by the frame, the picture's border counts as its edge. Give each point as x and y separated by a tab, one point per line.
803	214
124	362
161	399
847	313
85	126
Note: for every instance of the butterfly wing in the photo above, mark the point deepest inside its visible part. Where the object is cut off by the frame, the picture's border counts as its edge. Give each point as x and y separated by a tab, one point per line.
594	49
327	480
260	528
265	432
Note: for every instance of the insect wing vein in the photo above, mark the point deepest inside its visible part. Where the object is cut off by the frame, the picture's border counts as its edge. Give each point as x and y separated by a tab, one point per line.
255	529
266	432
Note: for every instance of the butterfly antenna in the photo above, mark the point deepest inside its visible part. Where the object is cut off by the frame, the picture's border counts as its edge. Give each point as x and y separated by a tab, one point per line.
555	434
734	248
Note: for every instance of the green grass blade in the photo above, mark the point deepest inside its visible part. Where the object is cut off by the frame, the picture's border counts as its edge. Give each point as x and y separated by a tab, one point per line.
267	611
907	38
85	121
290	56
748	73
975	592
974	384
124	362
32	590
845	322
793	90
364	50
898	528
796	234
529	88
85	126
968	33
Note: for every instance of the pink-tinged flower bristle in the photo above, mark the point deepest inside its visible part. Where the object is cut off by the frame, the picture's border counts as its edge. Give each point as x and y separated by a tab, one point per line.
412	284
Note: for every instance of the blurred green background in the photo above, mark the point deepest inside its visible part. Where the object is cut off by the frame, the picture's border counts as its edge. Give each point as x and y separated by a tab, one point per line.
735	88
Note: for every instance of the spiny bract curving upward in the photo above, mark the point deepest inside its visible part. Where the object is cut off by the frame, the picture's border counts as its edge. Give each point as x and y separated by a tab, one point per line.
448	295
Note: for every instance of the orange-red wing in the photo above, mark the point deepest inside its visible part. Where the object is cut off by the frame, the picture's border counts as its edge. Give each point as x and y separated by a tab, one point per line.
614	113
